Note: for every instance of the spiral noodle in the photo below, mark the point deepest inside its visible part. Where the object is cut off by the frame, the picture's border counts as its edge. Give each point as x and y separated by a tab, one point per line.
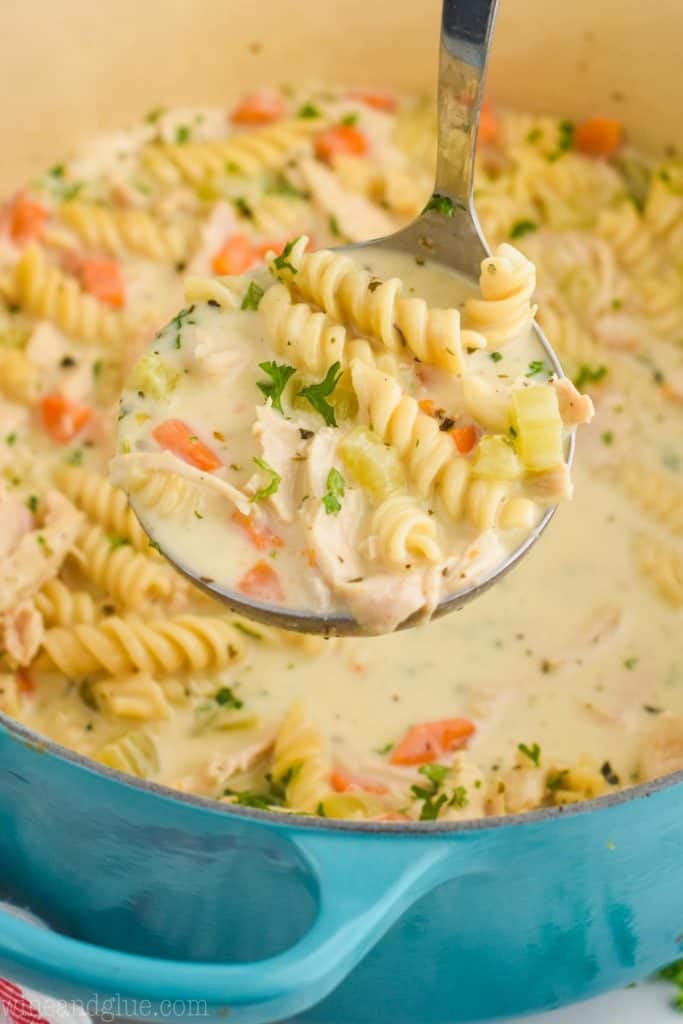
47	292
228	292
135	696
484	502
102	502
61	606
166	493
279	216
662	564
623	227
396	189
130	577
247	152
120	230
664	215
301	763
659	494
429	454
161	647
404	532
348	293
507	282
19	378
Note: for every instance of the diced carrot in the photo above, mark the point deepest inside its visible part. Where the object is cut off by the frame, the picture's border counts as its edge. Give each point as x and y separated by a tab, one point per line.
464	438
103	278
26	218
599	136
63	419
25	681
263	583
263	107
311	557
236	256
489	125
341	140
342	781
432	740
175	436
261	537
428	406
378	99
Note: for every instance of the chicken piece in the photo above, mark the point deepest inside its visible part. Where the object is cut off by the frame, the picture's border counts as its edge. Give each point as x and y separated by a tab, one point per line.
220	225
550	486
575	408
62	367
15	521
22	633
38	555
284	449
662	749
478	559
358	218
220	768
487	401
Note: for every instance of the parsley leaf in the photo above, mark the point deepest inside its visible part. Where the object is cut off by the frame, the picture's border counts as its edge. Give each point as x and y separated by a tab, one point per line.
316	394
496	356
243	207
273	484
334	226
349	119
253	297
607	437
280	186
565	140
279	374
431	803
536	366
440	204
308	110
183	134
281	262
32	503
522	227
227	699
116	541
336	487
533	752
589	375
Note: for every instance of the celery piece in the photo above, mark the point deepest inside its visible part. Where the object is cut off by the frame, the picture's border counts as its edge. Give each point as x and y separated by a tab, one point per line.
538	423
374	466
495	459
153	376
135	753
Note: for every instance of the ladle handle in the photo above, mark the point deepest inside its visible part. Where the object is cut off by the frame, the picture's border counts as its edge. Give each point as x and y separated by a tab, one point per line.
466	31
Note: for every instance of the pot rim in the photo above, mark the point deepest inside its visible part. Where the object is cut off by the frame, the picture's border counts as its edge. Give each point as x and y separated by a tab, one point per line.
42	745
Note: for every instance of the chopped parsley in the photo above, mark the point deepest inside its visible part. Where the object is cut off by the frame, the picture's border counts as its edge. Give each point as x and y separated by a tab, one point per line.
334	226
496	356
153	116
97	369
179	321
565	140
279	186
533	752
116	541
523	227
536	366
432	795
183	134
74	458
279	374
10	438
349	119
336	487
589	375
281	262
630	663
253	297
607	437
308	110
273	484
674	974
317	394
243	207
227	699
440	204
32	503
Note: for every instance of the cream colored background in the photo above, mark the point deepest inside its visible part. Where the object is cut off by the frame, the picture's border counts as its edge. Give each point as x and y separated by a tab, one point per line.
73	67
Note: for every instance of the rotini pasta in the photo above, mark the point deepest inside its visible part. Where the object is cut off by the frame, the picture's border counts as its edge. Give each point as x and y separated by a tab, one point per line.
61	606
129	576
120	230
103	503
19	378
301	763
504	311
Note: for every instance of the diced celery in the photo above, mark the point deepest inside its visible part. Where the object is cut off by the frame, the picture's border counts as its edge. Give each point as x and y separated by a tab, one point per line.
210	718
343	399
538	423
153	376
135	753
495	459
350	805
374	466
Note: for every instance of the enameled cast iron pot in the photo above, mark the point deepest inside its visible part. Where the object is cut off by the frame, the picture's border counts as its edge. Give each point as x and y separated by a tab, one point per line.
177	906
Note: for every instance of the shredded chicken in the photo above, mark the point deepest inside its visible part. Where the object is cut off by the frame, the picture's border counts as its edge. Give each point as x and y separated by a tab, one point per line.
22	633
219	226
575	408
63	368
358	218
551	485
15	521
284	450
662	749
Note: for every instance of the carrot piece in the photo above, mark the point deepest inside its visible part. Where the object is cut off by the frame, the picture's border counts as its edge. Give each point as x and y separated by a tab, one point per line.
263	583
341	140
175	436
103	278
263	107
26	218
378	99
25	681
464	438
261	537
599	136
236	256
431	740
428	406
489	125
342	781
63	419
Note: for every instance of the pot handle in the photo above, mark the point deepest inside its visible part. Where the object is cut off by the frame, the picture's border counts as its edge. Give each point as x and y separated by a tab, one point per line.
359	898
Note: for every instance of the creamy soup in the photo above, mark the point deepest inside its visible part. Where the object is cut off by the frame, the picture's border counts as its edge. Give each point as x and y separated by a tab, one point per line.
371	476
562	683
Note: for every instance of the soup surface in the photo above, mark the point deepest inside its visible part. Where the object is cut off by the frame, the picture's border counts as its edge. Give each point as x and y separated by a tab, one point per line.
371	477
563	683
